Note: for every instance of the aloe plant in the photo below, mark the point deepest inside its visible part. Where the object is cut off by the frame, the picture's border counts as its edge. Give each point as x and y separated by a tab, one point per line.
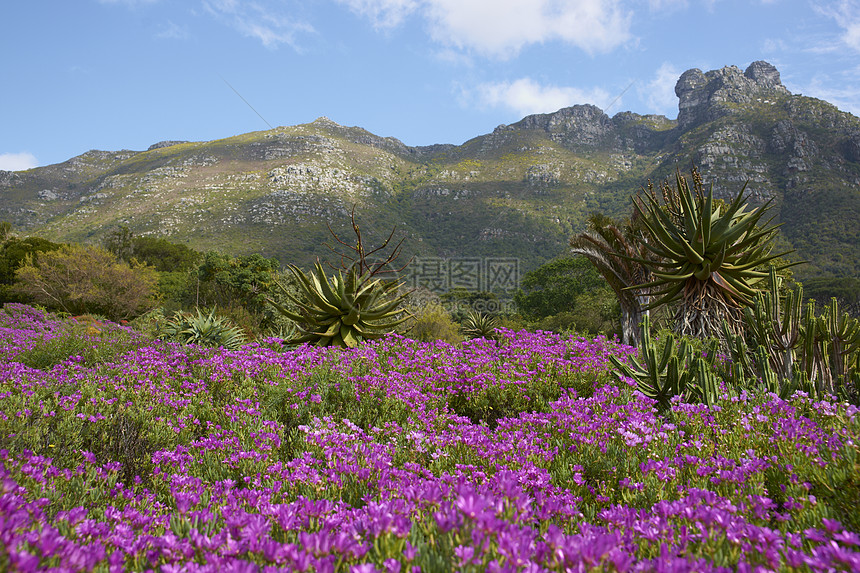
480	325
344	309
352	305
206	330
677	371
705	255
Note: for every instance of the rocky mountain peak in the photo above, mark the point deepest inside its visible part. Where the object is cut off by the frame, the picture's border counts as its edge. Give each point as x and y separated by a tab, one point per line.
707	96
163	144
576	125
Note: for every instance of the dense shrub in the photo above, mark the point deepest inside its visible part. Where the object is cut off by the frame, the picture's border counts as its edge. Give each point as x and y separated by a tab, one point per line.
80	279
432	322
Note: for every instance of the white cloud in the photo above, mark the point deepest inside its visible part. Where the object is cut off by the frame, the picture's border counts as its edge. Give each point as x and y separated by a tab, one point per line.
525	96
659	93
846	97
17	161
846	14
258	21
501	28
383	13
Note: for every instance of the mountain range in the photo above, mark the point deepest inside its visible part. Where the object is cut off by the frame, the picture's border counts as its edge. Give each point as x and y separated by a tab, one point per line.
518	192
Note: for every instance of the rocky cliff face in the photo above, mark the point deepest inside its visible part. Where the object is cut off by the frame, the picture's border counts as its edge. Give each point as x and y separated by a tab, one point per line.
704	97
519	191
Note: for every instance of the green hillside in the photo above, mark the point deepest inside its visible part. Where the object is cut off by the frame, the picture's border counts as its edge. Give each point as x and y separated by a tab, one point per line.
519	191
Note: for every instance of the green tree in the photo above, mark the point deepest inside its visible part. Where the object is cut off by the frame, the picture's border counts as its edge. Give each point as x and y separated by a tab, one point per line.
554	287
82	279
247	280
13	252
119	242
164	255
613	248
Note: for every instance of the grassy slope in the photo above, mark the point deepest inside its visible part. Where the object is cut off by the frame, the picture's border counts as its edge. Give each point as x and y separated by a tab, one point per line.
482	198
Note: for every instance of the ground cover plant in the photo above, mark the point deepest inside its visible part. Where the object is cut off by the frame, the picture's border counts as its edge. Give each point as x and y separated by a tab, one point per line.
517	454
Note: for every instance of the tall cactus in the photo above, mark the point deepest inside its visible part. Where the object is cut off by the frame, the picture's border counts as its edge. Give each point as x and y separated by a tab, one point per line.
844	334
838	347
797	349
776	324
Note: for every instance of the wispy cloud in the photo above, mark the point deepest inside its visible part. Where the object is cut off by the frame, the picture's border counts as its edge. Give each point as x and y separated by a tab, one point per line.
846	96
659	93
501	28
17	161
259	21
383	13
846	15
526	96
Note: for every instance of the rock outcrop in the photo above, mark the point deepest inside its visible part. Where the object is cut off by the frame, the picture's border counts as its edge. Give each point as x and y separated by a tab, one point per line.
704	97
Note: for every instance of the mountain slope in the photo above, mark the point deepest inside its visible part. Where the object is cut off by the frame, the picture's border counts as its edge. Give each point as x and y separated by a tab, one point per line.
519	191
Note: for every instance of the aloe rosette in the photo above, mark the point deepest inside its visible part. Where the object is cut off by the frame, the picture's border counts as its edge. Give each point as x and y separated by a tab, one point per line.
708	254
344	309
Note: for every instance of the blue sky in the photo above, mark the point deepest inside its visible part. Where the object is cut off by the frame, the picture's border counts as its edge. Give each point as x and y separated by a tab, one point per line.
123	74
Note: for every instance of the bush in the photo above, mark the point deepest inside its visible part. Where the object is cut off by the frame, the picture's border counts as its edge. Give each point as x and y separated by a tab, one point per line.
13	253
80	279
432	322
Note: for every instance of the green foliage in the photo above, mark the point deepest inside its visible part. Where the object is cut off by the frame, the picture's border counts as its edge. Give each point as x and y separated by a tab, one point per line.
88	280
480	325
844	289
164	255
342	310
555	286
248	280
204	329
677	371
177	289
431	322
460	302
594	313
707	253
13	253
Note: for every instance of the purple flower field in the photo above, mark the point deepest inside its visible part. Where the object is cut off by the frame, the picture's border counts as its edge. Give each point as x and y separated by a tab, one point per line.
526	454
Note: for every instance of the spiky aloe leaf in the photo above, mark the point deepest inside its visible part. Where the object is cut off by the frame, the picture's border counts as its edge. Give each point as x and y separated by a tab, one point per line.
342	309
705	251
